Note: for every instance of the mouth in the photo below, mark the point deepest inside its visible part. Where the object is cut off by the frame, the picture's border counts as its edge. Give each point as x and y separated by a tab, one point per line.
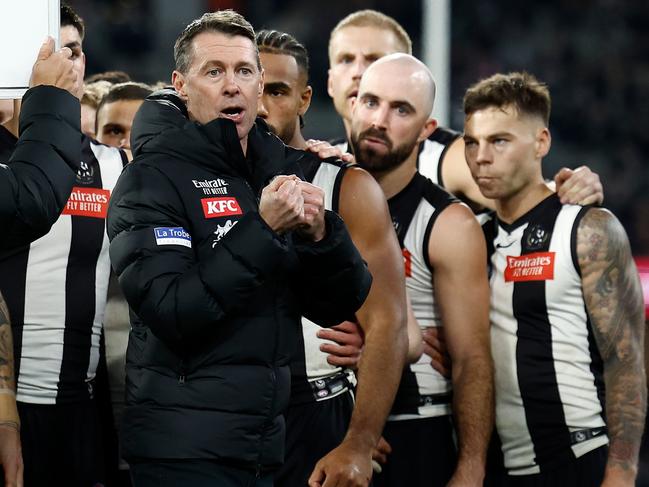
352	94
234	113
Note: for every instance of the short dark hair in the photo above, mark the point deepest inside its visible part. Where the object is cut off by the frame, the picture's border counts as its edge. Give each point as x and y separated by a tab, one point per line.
70	17
276	42
518	89
124	91
110	76
226	22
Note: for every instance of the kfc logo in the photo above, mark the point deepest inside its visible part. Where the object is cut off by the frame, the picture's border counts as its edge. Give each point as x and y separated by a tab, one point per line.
217	207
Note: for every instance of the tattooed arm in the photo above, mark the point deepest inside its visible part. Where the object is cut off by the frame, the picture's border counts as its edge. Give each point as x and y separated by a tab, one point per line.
10	451
614	301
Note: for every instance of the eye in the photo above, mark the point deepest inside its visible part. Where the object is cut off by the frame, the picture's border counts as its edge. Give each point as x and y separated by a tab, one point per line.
276	93
370	103
346	59
403	110
470	144
214	72
499	141
245	71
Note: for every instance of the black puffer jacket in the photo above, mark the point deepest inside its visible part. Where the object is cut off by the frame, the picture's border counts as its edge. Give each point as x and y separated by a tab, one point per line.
36	181
216	296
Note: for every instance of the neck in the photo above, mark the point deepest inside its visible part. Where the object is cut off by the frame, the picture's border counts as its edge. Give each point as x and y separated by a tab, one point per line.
244	144
513	207
348	128
394	180
297	140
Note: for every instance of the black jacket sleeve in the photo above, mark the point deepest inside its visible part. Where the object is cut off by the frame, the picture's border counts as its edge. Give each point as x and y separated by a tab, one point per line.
37	180
334	280
178	296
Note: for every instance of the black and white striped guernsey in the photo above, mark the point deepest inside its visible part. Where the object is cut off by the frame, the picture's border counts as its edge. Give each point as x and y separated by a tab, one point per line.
431	152
548	372
423	392
310	367
56	288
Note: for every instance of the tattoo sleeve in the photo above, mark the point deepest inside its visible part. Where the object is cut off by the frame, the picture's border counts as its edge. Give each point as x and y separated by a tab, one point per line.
7	379
614	302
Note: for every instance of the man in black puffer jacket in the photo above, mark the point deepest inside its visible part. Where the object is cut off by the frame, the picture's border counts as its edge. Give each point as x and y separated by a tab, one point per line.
220	247
41	164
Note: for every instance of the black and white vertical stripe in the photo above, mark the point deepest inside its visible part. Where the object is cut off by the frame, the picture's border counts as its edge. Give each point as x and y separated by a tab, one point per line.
423	392
56	293
548	382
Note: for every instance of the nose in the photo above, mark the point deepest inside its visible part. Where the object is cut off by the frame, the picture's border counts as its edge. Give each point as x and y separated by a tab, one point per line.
360	65
231	87
483	153
124	142
380	117
261	109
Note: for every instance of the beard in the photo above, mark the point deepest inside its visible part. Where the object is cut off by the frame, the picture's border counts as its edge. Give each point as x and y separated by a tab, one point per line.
373	162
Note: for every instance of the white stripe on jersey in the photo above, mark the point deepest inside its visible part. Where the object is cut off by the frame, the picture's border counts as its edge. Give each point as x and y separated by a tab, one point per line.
429	160
315	360
570	348
44	328
111	168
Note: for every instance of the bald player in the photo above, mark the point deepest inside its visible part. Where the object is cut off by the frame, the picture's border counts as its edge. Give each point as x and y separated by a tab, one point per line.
446	282
367	35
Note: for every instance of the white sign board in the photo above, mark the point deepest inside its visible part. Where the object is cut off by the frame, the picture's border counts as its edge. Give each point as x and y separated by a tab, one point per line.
24	25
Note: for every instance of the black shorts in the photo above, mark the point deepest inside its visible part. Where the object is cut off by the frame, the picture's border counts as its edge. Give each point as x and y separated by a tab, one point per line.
62	444
423	453
585	471
312	430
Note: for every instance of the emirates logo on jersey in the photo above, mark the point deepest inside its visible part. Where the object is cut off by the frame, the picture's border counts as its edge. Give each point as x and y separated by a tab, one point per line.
216	207
91	202
530	267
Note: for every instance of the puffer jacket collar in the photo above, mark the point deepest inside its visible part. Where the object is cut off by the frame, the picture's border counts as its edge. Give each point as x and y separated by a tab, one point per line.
162	126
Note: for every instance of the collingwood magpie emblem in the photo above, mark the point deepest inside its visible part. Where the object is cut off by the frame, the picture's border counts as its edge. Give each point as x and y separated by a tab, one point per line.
85	174
536	237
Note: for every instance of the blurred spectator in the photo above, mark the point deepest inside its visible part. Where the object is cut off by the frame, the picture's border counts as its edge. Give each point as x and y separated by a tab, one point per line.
92	95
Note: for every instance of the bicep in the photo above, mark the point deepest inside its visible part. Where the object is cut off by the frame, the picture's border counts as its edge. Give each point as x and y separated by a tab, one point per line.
457	252
610	283
365	212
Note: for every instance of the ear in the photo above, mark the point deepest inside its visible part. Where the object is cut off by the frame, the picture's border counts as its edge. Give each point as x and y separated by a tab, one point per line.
305	100
261	83
429	127
178	81
329	83
543	142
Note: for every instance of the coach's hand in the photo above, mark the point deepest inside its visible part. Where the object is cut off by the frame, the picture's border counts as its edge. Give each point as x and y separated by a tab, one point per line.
312	225
348	465
281	205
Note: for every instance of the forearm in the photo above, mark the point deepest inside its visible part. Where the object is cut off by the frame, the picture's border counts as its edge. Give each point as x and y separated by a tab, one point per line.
473	407
8	410
626	403
379	373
